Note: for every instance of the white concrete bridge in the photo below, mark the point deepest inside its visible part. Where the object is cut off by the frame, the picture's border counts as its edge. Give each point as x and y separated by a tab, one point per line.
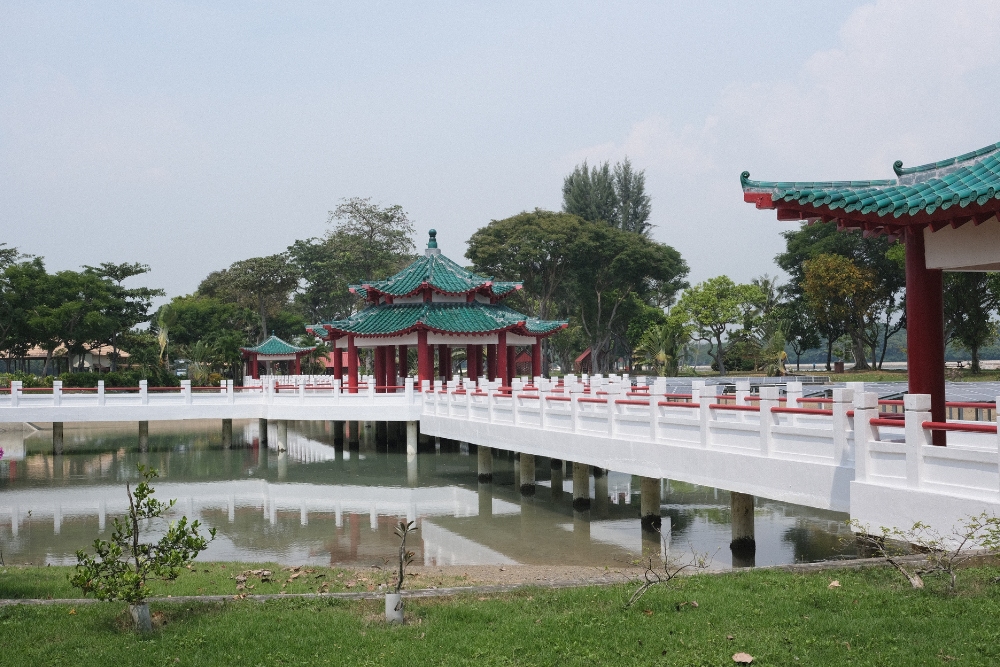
839	453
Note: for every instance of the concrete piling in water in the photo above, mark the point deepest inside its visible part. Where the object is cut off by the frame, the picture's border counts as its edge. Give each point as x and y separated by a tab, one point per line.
262	431
282	435
581	487
601	502
556	468
354	436
485	456
338	434
485	500
143	437
57	437
743	545
527	482
227	433
649	504
412	438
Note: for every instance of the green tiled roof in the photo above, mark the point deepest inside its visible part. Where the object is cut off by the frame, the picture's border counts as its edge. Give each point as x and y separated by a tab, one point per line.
442	274
388	319
970	179
275	345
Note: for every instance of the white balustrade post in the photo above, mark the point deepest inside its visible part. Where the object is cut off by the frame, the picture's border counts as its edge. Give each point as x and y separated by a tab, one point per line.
15	393
186	391
654	417
370	388
515	386
222	386
408	390
793	392
230	392
100	392
143	392
575	392
742	391
768	399
57	392
336	390
865	410
543	391
302	392
917	409
704	396
842	400
489	401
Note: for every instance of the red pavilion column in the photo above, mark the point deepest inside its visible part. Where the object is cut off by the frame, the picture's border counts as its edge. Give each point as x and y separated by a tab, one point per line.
352	365
491	362
425	358
444	362
390	367
536	359
501	358
298	364
511	364
379	368
338	362
254	369
404	362
474	361
925	328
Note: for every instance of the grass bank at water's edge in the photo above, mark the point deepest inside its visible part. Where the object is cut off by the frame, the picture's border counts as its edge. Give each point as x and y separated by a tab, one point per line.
781	618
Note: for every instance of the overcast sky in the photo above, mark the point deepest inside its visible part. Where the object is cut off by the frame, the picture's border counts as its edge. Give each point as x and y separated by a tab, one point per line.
191	135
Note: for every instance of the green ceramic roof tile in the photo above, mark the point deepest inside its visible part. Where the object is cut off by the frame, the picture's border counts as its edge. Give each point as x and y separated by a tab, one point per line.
973	178
274	345
441	273
388	319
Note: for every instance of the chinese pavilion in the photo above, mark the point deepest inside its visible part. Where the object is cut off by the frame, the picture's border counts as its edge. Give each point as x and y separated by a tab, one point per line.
435	304
946	214
274	349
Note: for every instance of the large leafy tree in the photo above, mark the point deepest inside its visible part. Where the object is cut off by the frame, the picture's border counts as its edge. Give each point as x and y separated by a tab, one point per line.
843	298
22	290
261	283
877	255
970	301
612	267
128	306
77	312
712	307
533	247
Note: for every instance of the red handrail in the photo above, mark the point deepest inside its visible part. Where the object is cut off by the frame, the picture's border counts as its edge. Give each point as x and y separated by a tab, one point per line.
886	422
558	398
677	395
677	404
745	408
950	426
980	405
814	400
803	411
584	399
626	401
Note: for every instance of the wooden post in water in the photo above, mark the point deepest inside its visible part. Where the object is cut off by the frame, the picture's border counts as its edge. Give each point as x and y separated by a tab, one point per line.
743	546
581	487
527	474
649	504
227	433
57	437
143	437
485	455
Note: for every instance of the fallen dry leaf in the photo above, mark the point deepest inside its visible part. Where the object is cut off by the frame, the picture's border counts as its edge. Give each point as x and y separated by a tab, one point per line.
694	604
647	612
73	611
742	658
834	584
730	637
295	576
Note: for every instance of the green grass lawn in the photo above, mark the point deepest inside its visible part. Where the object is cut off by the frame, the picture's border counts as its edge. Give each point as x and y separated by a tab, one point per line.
216	578
780	618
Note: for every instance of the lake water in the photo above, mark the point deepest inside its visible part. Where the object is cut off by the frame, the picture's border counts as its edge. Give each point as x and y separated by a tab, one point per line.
320	504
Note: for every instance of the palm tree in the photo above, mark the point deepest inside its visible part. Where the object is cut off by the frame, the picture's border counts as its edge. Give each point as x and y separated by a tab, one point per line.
660	346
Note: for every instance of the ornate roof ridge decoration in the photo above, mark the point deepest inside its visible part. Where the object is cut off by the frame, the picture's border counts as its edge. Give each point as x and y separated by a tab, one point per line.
962	189
437	272
274	345
449	318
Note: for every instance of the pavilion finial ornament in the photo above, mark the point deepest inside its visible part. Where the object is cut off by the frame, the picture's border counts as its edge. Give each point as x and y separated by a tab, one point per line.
432	244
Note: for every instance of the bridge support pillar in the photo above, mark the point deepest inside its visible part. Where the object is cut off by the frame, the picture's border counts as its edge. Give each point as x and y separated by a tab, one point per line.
649	504
227	433
743	546
556	468
412	438
262	432
143	437
527	475
338	434
57	437
601	502
282	435
354	435
381	434
485	455
581	487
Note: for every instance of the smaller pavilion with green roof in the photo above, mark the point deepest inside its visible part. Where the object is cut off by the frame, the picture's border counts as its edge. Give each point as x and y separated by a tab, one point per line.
435	304
272	350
